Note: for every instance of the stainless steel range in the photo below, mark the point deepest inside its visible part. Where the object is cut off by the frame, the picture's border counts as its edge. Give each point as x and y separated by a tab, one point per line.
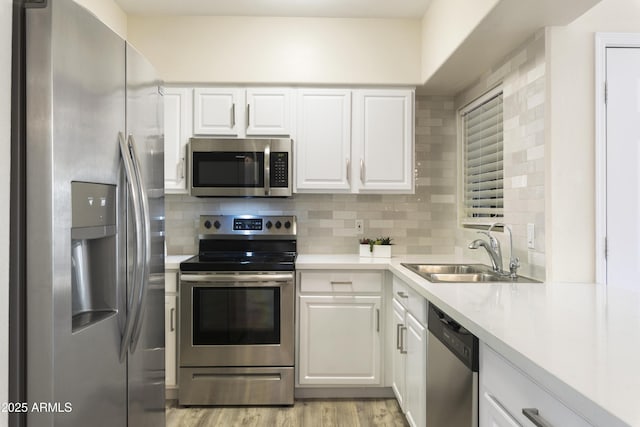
237	312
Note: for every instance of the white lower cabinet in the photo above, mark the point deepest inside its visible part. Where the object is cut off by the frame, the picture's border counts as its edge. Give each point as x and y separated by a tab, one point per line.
506	393
339	329
409	356
171	331
170	340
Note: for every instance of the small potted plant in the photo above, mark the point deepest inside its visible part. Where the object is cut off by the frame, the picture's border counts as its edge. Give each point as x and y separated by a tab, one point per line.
377	248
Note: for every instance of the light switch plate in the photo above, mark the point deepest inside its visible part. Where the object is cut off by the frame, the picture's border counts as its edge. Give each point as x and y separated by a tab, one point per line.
359	226
531	236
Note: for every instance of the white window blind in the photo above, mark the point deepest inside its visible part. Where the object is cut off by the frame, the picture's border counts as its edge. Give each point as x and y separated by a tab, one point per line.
483	161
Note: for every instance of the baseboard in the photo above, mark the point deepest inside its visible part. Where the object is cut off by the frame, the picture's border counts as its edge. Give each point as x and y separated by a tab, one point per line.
343	393
171	393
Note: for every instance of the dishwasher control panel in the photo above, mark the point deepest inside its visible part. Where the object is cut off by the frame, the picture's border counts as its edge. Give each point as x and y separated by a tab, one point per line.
462	343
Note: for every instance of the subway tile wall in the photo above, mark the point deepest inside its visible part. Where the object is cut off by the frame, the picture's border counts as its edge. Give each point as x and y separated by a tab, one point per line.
421	223
522	75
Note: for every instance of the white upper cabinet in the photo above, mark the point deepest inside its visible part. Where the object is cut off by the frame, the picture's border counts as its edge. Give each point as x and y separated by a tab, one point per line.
323	143
383	140
177	131
268	111
239	112
354	141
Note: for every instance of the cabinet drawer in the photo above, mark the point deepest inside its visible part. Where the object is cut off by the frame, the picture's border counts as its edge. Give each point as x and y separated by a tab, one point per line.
415	303
341	281
507	388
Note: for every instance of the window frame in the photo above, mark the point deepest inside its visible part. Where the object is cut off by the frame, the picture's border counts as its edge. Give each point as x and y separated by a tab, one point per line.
463	220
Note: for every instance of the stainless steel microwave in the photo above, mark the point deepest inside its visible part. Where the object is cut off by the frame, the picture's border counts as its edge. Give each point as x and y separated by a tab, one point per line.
240	167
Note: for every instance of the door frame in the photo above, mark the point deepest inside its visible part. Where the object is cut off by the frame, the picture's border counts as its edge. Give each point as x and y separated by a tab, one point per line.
603	41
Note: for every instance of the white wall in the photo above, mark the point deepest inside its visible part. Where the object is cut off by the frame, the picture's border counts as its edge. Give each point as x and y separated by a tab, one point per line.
570	146
445	25
280	50
109	13
5	129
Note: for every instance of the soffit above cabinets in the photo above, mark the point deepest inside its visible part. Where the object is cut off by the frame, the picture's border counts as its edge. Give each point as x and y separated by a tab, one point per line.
503	30
289	8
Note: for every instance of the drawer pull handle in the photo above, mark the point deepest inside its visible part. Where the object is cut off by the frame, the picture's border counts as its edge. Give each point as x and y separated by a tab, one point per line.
402	294
534	415
403	350
341	283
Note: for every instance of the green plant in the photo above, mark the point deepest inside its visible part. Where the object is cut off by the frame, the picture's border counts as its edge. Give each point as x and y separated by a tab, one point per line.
379	241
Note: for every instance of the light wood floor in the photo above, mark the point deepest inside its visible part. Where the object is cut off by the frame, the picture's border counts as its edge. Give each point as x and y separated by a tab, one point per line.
305	413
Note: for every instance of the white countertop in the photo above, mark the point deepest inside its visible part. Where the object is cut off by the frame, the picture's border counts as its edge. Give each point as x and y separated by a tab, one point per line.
579	341
172	262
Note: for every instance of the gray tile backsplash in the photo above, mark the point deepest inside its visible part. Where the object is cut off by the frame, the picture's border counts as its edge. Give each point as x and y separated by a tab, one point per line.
421	223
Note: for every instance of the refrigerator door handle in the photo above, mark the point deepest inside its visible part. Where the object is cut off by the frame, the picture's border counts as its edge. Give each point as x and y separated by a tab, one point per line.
137	273
146	249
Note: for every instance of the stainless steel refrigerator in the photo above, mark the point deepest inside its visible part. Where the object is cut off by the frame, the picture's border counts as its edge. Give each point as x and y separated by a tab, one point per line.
87	238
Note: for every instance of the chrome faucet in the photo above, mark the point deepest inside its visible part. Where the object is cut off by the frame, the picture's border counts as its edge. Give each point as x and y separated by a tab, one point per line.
495	252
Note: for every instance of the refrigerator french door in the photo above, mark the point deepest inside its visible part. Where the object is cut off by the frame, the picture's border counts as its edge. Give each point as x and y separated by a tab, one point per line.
89	202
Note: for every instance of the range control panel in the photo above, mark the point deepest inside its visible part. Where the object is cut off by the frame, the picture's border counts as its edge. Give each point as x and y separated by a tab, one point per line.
212	226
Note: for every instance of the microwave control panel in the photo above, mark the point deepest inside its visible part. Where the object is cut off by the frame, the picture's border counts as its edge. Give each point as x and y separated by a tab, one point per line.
279	169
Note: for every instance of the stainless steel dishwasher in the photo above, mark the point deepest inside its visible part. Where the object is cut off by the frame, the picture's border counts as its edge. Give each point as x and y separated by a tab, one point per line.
452	372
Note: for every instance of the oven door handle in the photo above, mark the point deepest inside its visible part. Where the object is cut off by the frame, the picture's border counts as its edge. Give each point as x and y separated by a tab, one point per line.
253	278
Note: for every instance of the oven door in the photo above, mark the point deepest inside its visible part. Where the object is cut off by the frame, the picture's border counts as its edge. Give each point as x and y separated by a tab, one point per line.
237	319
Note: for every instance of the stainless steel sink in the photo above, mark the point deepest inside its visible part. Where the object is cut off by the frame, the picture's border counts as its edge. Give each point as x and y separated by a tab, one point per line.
463	273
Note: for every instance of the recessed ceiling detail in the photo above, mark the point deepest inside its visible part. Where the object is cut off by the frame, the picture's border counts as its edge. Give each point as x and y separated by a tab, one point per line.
289	8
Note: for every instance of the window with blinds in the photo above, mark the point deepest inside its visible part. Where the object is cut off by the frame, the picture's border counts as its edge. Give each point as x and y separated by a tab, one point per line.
483	172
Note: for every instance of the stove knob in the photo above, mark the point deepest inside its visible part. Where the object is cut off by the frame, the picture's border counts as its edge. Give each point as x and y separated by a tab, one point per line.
278	224
287	225
217	225
269	224
207	224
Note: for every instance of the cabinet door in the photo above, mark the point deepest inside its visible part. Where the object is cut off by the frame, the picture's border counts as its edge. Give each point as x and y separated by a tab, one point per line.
268	111
170	334
177	131
494	415
218	111
339	340
383	135
398	358
416	372
323	145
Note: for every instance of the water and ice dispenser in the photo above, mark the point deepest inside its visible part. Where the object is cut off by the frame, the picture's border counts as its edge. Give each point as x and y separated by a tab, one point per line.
94	265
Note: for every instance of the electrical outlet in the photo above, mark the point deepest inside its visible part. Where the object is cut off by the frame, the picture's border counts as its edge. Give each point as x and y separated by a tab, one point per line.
531	236
359	226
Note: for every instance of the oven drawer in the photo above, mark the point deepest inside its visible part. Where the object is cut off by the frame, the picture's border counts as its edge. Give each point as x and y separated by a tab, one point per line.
236	386
341	281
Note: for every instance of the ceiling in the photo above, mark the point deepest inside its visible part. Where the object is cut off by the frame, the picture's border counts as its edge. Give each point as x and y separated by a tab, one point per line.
290	8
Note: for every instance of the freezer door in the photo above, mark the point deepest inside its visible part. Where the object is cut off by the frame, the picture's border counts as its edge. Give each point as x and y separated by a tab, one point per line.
75	106
146	368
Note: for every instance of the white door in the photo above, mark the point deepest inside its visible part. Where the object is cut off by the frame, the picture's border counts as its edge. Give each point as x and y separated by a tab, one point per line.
399	358
178	128
383	140
323	146
339	340
218	111
268	111
623	167
416	369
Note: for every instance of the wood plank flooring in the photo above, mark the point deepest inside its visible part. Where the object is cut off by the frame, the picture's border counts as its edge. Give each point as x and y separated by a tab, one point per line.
304	413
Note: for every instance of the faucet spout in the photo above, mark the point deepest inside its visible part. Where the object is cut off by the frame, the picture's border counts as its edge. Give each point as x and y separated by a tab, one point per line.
496	260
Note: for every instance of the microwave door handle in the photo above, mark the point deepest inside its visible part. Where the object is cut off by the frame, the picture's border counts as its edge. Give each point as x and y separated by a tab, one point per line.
267	169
